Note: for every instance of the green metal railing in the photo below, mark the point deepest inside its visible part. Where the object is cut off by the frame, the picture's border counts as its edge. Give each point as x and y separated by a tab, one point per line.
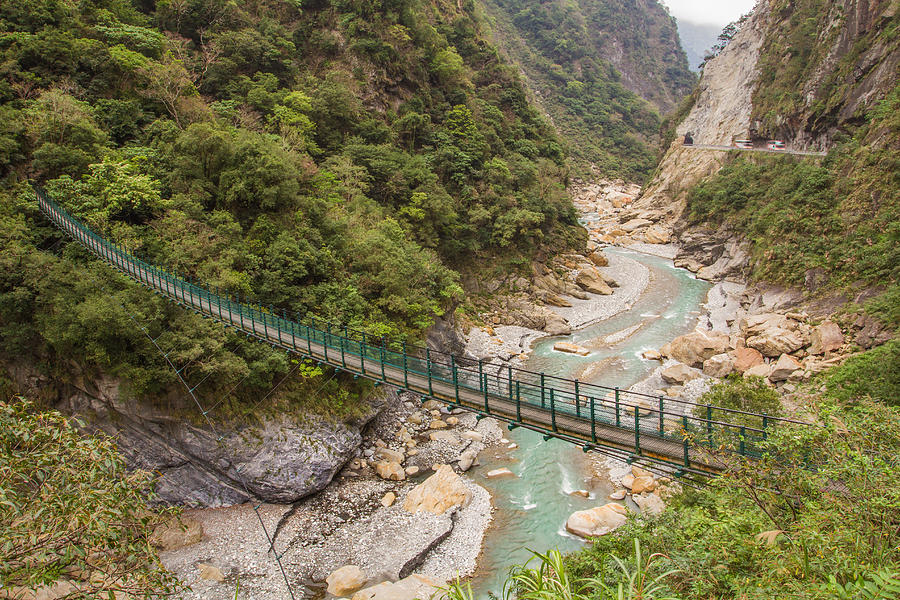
668	429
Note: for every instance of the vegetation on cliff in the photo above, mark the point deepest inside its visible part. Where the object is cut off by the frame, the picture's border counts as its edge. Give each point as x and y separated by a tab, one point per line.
840	217
603	70
340	158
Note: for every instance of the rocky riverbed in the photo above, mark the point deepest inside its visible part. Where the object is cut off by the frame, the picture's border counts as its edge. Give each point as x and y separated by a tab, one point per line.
399	509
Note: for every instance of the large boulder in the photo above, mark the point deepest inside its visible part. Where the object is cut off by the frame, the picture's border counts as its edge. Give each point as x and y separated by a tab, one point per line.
439	493
745	358
679	374
390	470
467	459
656	235
784	367
597	521
278	459
346	580
177	533
761	370
591	280
776	341
692	349
571	348
411	588
644	483
757	324
598	258
390	455
650	504
719	365
826	337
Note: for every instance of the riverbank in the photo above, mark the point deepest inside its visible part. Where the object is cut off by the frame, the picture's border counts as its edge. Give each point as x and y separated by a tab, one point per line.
360	519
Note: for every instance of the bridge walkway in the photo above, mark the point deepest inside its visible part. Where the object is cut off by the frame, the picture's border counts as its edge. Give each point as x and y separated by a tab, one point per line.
635	427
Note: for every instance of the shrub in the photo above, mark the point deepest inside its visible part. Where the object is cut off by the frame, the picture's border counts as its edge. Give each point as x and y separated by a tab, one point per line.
69	507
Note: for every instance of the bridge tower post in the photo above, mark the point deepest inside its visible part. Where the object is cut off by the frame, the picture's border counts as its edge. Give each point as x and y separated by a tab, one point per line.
405	367
684	426
480	374
362	354
343	347
662	430
637	429
428	369
709	424
455	377
518	403
618	414
593	423
509	381
383	358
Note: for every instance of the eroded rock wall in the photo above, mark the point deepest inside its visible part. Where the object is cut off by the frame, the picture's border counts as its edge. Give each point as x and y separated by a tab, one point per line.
277	459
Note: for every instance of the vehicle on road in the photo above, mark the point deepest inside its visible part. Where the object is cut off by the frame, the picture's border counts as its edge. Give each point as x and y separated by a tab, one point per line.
743	144
775	145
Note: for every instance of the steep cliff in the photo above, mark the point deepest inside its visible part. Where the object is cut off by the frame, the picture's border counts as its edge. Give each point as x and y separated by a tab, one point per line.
589	64
820	74
721	111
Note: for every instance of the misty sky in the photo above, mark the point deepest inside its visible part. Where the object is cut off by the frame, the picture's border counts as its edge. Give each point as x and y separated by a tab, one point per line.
716	12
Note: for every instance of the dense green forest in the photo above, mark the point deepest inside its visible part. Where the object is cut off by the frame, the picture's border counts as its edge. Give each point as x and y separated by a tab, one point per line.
340	158
565	50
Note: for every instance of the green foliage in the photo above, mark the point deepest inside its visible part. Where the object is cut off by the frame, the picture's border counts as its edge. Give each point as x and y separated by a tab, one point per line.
877	586
814	518
868	375
554	579
751	394
71	512
111	190
342	160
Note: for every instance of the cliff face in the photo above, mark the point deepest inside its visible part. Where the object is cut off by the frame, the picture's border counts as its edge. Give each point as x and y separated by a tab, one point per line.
722	110
801	71
824	65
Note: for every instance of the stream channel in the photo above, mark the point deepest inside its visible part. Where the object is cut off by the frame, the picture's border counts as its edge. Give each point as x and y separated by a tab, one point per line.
531	509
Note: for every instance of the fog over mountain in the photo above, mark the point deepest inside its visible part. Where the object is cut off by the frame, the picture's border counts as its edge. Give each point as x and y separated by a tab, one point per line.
696	39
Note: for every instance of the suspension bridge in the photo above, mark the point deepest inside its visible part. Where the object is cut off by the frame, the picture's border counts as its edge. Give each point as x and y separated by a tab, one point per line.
683	438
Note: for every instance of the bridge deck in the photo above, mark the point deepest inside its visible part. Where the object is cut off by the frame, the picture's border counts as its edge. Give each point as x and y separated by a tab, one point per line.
591	416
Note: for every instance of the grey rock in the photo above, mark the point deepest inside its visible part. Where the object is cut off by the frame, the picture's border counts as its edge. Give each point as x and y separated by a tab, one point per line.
278	460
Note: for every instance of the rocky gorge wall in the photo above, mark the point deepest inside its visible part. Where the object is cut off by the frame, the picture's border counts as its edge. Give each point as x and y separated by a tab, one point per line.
275	458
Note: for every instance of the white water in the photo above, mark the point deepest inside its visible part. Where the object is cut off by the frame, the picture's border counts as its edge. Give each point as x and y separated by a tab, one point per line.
531	509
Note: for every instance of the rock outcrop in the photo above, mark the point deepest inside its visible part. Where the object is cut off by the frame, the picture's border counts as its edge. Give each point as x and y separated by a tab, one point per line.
439	493
597	521
278	459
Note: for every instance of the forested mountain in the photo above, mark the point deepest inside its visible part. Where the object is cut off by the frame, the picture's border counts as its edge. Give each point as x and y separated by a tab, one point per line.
339	158
603	69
